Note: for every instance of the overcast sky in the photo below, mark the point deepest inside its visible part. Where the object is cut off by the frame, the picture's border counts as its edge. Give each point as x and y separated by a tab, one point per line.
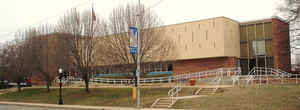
18	14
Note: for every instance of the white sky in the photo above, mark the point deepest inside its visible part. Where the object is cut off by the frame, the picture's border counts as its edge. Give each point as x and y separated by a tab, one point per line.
17	14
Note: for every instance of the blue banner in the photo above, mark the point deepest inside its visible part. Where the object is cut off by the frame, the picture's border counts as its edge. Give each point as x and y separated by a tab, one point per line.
133	39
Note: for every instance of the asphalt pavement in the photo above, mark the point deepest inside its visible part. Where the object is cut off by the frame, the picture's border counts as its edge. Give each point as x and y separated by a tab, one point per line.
18	107
39	106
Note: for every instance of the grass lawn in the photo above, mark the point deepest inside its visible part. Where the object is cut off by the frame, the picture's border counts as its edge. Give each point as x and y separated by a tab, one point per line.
250	98
96	97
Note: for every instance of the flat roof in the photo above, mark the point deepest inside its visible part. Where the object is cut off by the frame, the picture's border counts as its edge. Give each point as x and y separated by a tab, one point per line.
200	21
264	20
254	21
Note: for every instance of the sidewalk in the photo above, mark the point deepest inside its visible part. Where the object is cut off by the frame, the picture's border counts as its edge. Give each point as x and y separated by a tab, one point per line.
78	106
4	91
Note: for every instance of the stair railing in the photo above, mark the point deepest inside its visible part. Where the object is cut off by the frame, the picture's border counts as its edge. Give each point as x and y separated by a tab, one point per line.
174	92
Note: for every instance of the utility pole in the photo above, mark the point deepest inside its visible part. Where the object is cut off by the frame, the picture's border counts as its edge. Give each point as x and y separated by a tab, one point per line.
135	49
138	58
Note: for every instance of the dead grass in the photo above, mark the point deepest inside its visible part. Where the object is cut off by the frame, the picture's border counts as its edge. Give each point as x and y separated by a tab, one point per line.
250	98
96	97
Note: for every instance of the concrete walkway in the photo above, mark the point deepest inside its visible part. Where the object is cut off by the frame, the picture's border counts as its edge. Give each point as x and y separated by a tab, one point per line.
189	97
4	91
79	106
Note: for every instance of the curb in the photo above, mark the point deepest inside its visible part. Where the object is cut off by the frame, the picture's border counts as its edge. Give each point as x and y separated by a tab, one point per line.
78	106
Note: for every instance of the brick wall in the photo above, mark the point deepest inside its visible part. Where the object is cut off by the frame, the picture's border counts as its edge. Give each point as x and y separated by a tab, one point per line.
196	65
281	45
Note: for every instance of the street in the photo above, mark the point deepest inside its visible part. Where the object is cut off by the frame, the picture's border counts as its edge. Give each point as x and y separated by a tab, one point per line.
16	107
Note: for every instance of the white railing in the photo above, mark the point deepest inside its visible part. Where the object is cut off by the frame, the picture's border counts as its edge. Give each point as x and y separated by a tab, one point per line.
208	74
266	74
221	72
217	81
173	93
266	71
250	78
179	77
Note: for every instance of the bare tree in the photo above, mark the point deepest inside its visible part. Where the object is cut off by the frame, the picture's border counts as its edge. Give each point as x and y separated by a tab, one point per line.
115	47
83	28
43	45
290	10
15	60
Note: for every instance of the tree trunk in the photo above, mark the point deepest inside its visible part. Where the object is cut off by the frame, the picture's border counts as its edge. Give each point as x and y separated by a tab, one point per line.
48	83
19	86
86	80
135	80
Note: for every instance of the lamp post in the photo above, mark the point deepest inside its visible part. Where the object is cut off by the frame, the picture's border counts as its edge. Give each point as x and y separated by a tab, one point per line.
138	69
135	49
60	73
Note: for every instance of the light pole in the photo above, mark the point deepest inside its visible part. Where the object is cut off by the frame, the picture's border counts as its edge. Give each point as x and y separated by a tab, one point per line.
135	49
60	73
138	59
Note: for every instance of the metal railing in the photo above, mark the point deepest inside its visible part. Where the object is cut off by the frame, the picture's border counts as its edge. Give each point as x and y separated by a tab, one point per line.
220	72
262	75
173	93
217	81
266	71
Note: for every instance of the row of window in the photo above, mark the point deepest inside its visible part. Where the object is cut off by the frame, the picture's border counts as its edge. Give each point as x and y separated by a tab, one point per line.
258	47
145	68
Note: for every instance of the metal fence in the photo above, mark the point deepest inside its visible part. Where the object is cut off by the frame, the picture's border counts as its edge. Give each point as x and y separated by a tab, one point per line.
221	72
266	76
184	77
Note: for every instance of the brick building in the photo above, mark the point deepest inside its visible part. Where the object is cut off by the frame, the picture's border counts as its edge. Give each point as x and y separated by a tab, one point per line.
221	43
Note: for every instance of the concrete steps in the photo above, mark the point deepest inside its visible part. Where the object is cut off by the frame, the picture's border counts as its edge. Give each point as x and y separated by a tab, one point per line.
163	103
169	102
207	91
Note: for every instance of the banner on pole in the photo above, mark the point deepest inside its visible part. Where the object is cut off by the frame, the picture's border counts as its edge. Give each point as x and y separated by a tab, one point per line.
133	38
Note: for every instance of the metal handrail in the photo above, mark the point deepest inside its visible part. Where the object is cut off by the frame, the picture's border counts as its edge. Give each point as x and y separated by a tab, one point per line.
262	72
266	70
174	92
195	75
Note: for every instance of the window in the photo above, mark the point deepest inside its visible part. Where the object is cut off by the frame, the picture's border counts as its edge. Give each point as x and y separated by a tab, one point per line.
259	47
170	67
152	68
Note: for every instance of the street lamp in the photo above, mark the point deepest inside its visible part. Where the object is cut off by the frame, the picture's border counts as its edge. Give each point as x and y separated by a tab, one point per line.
60	73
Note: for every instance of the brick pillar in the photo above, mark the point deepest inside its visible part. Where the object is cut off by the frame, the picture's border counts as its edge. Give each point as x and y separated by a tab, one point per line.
281	45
